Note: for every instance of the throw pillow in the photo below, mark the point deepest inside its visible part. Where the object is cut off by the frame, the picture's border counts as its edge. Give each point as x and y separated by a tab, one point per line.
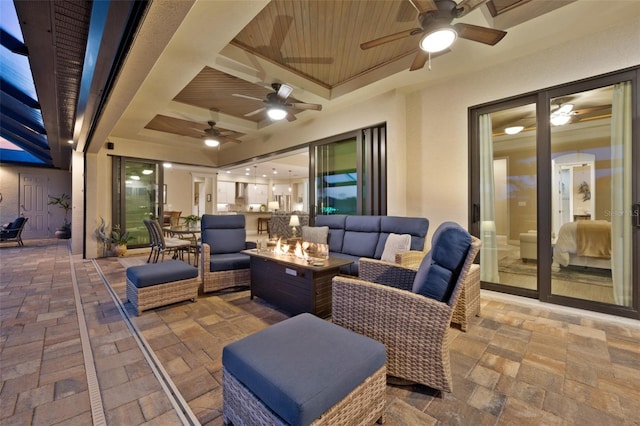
315	234
396	243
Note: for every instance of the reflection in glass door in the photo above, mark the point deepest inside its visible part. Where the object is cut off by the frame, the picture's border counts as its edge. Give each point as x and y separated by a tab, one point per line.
591	168
135	197
508	199
337	177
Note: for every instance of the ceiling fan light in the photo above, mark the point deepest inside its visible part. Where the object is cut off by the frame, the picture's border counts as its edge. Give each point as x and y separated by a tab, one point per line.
438	40
560	119
211	142
514	130
276	113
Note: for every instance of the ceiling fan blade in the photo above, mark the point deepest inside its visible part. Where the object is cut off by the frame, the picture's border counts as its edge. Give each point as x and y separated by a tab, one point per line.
228	139
466	6
258	111
424	5
484	35
291	117
422	57
279	32
390	37
246	97
302	105
406	12
419	60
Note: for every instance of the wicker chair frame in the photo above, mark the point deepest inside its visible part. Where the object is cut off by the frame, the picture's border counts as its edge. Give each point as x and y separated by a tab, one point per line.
157	295
214	281
413	328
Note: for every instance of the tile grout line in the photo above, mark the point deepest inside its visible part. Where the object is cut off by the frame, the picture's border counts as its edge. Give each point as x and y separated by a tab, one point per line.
173	394
95	398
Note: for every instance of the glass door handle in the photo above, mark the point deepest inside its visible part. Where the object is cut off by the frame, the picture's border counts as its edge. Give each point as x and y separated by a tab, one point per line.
635	212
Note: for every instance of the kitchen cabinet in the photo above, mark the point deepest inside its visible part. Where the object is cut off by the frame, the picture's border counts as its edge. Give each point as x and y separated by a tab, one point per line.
226	192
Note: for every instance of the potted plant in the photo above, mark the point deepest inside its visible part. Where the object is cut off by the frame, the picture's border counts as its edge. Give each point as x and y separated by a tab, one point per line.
192	220
119	241
64	202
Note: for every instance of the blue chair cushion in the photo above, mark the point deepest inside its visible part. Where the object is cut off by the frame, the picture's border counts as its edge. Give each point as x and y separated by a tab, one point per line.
351	269
159	273
228	261
223	233
301	367
441	267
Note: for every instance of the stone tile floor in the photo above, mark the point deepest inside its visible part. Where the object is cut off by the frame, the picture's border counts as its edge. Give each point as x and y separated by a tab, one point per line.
520	363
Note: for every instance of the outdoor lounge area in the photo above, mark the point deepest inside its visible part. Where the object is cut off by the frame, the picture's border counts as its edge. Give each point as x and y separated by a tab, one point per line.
303	212
520	362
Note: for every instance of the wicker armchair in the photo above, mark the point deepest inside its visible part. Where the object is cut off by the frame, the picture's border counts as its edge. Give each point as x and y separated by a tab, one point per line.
222	265
414	328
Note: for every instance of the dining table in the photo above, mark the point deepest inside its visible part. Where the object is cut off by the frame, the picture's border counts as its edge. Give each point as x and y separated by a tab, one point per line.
186	233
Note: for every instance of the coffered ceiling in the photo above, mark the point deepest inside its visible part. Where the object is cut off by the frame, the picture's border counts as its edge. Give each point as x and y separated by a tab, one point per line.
186	60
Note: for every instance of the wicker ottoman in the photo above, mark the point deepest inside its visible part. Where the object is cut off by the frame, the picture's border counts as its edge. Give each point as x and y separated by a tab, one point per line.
303	371
468	303
160	284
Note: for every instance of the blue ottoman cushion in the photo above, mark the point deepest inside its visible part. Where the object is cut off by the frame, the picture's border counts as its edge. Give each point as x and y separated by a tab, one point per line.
303	366
159	273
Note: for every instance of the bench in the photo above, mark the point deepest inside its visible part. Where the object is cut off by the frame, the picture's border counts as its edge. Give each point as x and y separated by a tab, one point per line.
303	371
160	284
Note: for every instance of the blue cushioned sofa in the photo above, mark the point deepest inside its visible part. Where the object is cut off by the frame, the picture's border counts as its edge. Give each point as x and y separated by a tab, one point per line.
353	237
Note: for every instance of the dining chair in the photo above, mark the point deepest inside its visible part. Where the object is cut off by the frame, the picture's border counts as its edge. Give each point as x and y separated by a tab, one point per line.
169	244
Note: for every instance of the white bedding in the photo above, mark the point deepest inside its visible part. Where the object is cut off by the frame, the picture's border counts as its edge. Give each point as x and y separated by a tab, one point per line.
566	248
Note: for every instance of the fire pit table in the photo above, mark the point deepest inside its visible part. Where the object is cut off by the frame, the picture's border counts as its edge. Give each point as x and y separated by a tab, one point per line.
293	284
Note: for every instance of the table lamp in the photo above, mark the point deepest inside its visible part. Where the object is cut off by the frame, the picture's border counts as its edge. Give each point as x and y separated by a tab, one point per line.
293	222
274	205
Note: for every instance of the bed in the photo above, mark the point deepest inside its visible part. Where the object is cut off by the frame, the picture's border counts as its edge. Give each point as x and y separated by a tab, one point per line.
584	243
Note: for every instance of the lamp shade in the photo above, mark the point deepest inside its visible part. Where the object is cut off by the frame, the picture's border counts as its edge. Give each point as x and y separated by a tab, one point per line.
274	205
294	221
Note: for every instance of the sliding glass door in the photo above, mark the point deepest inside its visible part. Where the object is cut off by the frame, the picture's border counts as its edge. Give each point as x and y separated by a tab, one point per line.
555	191
348	173
135	197
591	157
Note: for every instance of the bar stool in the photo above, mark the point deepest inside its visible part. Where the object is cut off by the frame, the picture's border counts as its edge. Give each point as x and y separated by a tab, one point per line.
263	224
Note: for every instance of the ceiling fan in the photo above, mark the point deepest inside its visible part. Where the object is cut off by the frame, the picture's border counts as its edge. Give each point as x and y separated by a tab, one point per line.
437	32
215	137
277	106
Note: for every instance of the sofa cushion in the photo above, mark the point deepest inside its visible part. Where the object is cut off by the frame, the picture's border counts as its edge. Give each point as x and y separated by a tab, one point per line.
351	269
228	262
224	233
396	243
417	227
336	230
441	267
315	234
361	235
159	273
303	366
